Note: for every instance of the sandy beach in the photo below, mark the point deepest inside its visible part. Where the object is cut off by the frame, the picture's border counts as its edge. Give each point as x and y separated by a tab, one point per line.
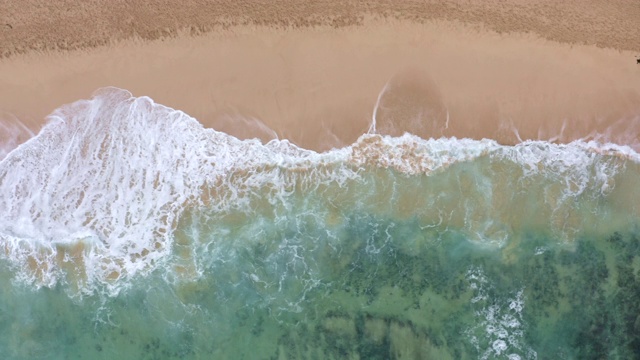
315	74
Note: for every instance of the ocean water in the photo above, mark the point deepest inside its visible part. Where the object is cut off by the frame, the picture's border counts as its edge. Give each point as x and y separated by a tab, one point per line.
129	231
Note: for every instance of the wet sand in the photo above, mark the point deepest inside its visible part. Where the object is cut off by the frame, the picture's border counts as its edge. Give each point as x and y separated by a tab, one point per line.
316	74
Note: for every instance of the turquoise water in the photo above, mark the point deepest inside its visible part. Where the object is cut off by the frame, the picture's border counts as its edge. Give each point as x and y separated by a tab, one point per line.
131	232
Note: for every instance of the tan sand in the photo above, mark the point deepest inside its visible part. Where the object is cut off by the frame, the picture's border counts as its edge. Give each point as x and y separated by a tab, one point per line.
455	68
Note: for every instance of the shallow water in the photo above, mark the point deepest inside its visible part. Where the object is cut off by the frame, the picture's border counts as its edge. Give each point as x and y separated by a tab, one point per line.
130	231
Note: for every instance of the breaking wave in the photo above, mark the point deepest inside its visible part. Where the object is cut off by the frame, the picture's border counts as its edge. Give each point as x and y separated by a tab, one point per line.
95	198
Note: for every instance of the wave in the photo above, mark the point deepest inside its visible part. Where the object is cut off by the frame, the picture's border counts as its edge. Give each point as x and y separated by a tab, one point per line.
13	132
110	187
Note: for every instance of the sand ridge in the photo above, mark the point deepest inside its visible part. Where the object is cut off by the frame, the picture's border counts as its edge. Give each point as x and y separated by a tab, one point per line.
28	25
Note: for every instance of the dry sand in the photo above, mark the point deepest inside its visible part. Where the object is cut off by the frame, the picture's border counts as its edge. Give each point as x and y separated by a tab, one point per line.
507	70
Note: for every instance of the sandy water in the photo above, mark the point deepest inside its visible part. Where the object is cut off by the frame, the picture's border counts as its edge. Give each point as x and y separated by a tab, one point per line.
128	230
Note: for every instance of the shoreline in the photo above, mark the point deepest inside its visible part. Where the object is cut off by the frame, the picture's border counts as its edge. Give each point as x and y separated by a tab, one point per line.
318	86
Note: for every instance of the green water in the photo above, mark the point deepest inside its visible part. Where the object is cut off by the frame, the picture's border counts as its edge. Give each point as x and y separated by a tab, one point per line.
299	295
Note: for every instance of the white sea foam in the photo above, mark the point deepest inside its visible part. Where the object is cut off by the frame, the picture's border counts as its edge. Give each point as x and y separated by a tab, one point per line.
12	133
499	331
115	173
112	172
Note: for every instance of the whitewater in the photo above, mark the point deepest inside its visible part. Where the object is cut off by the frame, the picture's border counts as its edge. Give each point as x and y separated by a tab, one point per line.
128	229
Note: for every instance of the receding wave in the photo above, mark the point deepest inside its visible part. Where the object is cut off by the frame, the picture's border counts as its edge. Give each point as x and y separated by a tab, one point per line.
116	190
